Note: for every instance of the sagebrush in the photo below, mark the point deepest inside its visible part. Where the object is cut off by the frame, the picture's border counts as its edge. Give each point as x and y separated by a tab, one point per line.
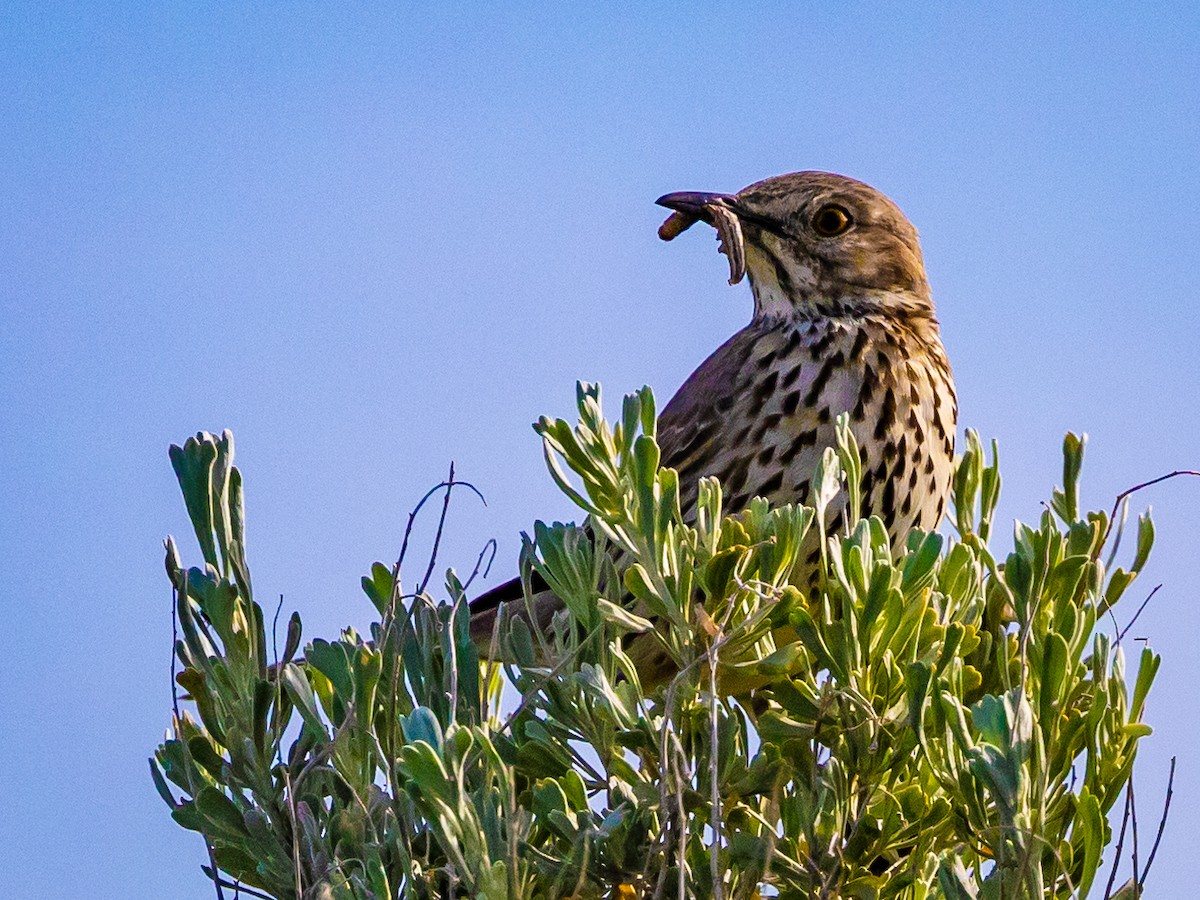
947	722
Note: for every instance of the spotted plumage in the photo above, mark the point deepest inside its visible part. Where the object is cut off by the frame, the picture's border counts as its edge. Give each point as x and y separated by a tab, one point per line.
895	401
843	322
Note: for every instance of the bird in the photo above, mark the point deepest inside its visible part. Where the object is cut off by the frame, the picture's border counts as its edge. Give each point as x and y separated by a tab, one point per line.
843	322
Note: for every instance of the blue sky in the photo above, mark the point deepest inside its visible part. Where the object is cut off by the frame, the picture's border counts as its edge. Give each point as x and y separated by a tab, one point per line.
374	240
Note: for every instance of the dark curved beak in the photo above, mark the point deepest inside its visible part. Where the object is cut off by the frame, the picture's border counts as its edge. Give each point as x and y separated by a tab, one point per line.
695	203
696	206
691	207
718	210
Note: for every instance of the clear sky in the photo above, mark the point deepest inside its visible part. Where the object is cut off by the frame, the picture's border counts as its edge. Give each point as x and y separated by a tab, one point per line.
373	241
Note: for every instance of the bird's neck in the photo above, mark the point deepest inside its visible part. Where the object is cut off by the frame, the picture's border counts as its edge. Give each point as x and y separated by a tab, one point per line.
773	307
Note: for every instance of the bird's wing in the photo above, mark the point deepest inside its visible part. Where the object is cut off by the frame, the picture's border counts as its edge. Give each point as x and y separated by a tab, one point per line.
691	418
757	414
687	419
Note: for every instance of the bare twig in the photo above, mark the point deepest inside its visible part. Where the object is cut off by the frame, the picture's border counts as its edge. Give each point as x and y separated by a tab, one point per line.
1149	597
1112	554
412	516
212	861
1138	487
275	631
1112	876
437	538
772	835
682	777
585	858
1162	824
1133	815
397	597
490	545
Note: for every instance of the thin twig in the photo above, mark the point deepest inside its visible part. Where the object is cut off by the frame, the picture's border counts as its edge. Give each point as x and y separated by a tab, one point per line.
395	602
1112	876
490	545
1137	487
772	836
708	656
1149	597
682	776
412	516
585	858
1162	824
1112	554
437	538
1133	815
212	861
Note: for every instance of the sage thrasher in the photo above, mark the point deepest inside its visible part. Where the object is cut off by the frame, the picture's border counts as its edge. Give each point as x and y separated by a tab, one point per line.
843	322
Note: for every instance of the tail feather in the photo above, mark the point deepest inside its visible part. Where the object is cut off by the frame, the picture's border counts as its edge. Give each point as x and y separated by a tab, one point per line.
485	609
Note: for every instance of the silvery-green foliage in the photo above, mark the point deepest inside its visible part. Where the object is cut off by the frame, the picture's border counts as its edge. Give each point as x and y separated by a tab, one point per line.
943	723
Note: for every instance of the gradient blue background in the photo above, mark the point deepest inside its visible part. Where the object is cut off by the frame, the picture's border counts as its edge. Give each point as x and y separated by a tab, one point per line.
375	240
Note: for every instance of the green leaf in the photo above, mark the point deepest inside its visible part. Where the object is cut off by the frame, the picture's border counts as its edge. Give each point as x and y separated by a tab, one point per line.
204	756
222	819
520	639
1087	840
1147	669
623	618
827	482
421	763
1053	678
1065	502
783	661
301	694
917	678
160	784
422	725
193	464
814	642
332	660
379	587
292	643
1145	541
919	564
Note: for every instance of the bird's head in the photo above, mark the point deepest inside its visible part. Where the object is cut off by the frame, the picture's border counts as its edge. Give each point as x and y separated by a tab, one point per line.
813	244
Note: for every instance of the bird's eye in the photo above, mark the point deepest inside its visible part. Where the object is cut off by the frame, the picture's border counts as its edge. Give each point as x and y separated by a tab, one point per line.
831	220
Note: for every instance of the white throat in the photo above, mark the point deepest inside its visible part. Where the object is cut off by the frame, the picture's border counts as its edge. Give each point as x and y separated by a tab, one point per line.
775	301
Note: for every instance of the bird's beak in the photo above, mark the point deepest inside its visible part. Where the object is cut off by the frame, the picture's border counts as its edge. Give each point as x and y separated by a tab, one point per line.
718	210
694	203
690	207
